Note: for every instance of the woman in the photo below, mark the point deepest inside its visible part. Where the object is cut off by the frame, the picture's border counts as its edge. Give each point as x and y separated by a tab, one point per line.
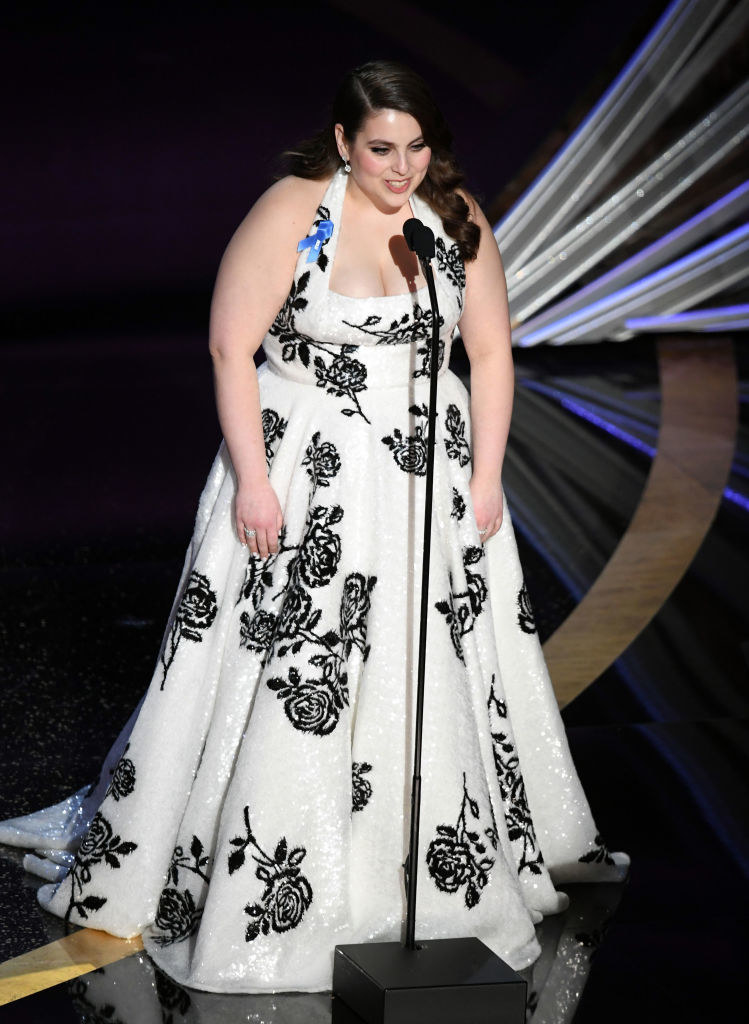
254	811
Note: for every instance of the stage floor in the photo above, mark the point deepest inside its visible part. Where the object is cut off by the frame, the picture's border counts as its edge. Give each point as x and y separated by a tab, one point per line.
102	489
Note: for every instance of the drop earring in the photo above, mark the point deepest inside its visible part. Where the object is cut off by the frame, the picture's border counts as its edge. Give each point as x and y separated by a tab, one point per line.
346	166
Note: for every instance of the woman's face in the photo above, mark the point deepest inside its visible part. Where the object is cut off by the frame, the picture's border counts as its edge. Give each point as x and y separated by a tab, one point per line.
388	157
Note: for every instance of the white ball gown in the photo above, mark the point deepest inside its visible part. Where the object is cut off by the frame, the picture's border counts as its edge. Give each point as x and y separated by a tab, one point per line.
253	813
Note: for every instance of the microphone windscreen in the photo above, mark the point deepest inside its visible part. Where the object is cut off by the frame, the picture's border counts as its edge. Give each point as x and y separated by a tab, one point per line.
425	242
419	238
410	229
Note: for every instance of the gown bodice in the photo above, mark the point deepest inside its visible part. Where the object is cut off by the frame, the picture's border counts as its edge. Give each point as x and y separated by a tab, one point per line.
327	339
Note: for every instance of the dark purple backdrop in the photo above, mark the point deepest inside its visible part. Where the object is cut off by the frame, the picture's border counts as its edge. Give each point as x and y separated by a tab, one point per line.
138	135
135	139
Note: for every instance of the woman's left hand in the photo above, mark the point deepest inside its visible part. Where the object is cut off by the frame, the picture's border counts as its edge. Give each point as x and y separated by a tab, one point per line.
487	506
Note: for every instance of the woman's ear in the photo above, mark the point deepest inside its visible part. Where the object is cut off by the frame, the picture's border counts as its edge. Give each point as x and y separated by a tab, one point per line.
340	141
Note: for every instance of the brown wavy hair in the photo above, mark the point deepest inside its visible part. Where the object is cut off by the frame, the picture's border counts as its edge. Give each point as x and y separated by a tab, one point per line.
388	85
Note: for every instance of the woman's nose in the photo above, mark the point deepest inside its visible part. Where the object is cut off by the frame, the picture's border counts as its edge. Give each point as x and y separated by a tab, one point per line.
400	162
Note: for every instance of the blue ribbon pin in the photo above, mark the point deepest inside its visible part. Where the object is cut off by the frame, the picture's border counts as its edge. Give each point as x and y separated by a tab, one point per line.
314	242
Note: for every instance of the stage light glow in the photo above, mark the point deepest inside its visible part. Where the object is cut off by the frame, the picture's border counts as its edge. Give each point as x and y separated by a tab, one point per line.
599	148
688	280
623	435
707	222
624	213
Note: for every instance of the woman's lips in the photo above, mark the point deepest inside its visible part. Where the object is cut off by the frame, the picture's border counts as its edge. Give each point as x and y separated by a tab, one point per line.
398	185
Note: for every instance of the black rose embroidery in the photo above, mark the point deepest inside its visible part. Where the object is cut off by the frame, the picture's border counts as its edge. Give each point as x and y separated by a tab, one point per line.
457	616
455	443
475	582
259	572
274	427
398	332
195	862
312	702
458	857
355	605
424	352
195	614
334	367
361	788
526	620
343	377
311	705
290	900
414	327
100	845
296	614
323	213
321	548
459	506
512	788
122	783
322	461
314	565
598	855
197	609
256	632
451	264
410	453
97	840
314	705
343	374
177	917
462	609
449	860
294	344
287	894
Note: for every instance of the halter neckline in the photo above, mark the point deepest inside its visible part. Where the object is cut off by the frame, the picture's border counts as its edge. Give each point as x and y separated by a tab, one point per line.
334	198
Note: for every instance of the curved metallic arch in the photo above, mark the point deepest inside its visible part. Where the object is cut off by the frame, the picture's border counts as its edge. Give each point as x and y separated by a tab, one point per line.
681	498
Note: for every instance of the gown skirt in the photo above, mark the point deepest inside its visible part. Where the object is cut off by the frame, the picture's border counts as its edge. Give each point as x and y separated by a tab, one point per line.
254	811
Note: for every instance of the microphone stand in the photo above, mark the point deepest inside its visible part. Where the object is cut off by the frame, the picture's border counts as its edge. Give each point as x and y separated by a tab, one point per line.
421	241
436	981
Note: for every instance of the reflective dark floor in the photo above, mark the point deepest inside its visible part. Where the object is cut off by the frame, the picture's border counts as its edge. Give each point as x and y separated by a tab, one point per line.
660	740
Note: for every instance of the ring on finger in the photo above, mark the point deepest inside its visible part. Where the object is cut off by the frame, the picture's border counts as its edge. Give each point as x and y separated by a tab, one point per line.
249	533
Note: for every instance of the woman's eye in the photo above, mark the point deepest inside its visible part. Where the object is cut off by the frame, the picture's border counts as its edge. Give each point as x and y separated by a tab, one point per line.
380	150
418	145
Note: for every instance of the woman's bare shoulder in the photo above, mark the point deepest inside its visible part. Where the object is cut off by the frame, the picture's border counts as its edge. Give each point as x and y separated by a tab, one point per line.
281	216
292	198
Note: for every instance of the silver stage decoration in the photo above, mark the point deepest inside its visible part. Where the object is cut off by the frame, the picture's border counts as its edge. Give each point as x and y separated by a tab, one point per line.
726	318
575	216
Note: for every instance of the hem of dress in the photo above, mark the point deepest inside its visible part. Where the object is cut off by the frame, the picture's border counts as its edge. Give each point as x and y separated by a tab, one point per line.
44	896
229	988
526	956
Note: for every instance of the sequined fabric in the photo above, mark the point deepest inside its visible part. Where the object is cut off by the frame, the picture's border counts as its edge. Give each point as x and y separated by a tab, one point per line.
253	813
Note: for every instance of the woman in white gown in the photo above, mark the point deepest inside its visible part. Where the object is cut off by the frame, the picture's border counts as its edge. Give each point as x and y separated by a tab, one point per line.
253	812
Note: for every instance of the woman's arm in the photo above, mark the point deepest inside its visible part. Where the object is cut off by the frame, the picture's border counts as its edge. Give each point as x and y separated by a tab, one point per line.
253	281
485	328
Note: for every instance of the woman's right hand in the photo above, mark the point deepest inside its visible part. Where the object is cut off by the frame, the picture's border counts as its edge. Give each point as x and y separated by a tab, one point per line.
257	507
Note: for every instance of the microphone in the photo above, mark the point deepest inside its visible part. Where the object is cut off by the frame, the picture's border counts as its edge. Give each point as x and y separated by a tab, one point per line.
419	238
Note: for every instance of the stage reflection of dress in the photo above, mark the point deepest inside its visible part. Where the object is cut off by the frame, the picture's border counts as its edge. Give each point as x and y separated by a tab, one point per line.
253	812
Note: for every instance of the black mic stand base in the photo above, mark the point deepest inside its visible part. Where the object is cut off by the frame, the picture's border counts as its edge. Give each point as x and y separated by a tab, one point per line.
442	981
